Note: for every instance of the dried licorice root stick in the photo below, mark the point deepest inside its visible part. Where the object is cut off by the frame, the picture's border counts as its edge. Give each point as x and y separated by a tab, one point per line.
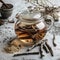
54	39
45	48
33	47
38	44
40	51
29	49
23	54
50	50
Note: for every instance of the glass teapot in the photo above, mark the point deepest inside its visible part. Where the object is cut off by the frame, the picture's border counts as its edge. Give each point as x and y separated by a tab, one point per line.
30	26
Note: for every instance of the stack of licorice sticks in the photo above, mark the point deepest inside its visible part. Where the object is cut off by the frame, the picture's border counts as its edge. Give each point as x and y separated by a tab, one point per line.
43	44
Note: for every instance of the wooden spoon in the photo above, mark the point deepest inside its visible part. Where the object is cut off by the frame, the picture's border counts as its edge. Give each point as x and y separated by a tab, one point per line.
4	4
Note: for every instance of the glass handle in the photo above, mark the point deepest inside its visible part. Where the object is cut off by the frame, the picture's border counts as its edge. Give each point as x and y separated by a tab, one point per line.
52	21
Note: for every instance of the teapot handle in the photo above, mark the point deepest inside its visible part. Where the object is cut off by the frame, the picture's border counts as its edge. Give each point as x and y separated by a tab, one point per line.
52	21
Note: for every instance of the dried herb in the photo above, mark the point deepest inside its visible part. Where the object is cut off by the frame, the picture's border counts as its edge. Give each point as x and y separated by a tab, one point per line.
45	49
50	50
33	53
54	39
41	52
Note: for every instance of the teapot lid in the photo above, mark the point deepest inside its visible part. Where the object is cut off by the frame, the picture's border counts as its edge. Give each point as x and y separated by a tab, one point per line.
31	15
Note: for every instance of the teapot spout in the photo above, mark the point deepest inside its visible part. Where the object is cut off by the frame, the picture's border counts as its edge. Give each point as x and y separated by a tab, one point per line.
17	16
